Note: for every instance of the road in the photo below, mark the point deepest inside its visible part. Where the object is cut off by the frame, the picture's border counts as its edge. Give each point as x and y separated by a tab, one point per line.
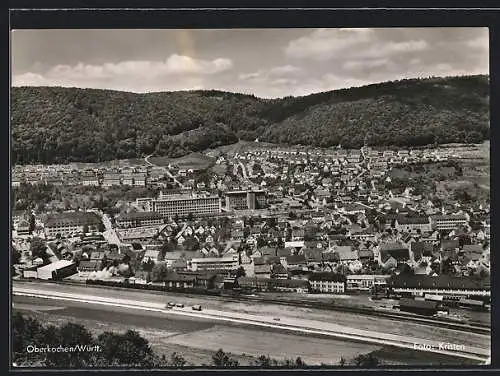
169	174
472	346
146	159
245	175
189	336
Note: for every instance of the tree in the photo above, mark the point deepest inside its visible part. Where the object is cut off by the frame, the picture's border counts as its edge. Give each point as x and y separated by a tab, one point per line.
32	223
70	335
261	242
300	363
148	265
240	272
264	361
407	270
177	360
366	361
167	246
271	222
38	248
159	272
280	243
129	349
191	244
222	360
16	256
101	227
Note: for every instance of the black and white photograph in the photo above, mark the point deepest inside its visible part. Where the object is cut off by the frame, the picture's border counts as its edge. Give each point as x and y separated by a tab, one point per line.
270	198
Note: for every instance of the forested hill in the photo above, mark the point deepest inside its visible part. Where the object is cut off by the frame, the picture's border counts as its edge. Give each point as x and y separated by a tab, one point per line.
54	125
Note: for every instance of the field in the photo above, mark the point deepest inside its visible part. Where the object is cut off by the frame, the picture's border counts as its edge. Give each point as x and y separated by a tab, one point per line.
281	346
198	339
195	161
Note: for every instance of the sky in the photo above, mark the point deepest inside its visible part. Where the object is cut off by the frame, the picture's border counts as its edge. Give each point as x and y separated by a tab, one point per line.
268	63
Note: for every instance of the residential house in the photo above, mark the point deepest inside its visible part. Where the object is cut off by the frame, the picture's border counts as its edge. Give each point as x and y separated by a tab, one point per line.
254	283
152	255
346	254
278	271
365	255
179	281
326	282
262	270
395	250
171	257
450	245
422	252
89	179
111	179
290	285
85	267
295	262
139	179
413	224
361	282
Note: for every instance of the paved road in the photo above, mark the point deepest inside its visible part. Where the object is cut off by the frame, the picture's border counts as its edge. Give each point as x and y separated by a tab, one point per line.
169	174
189	335
478	349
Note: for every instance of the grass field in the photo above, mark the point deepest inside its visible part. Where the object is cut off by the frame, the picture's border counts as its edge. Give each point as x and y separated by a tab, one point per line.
197	344
195	161
312	350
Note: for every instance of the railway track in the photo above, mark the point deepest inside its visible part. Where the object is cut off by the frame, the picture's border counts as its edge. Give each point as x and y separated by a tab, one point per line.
368	311
289	324
442	323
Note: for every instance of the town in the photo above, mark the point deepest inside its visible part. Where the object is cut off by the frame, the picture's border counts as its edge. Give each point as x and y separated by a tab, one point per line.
280	222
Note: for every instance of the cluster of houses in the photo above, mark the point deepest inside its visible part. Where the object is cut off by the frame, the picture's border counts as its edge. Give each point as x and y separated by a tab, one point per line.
321	221
70	174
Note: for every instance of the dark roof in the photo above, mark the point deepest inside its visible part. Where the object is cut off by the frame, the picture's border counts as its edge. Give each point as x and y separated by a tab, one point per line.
262	269
278	269
425	304
477	248
267	251
401	254
391	246
314	254
179	264
296	259
406	220
422	248
96	255
327	277
90	265
199	275
115	256
176	277
250	281
281	252
292	283
73	218
139	215
447	217
450	244
441	281
258	261
272	260
330	256
365	253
